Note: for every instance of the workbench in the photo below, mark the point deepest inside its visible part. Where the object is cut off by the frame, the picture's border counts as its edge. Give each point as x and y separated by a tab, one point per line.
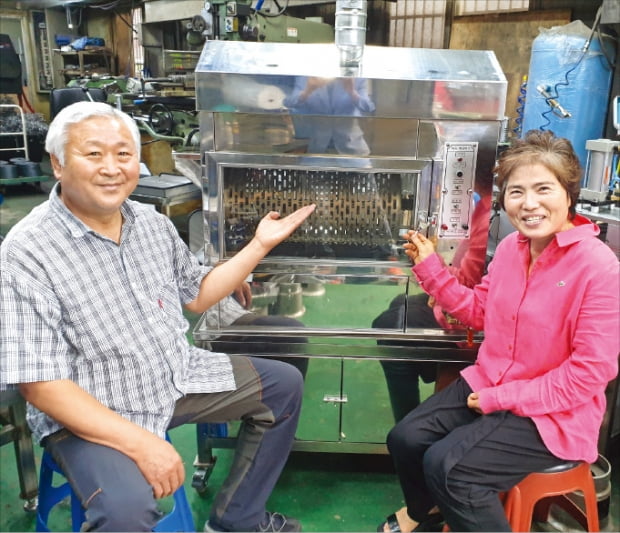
171	194
27	179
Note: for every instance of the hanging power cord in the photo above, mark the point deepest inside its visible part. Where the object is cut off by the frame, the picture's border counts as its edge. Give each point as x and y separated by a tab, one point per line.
521	107
106	6
111	6
552	96
610	63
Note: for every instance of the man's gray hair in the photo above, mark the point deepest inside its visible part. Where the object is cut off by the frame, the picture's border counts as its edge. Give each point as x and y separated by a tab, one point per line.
58	132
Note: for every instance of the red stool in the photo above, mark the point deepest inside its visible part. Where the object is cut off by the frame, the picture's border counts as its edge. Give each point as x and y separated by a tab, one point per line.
532	497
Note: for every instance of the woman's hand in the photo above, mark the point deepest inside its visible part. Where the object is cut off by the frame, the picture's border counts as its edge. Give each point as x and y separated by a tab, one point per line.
418	247
473	402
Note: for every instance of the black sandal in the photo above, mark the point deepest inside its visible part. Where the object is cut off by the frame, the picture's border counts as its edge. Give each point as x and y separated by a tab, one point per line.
432	522
392	523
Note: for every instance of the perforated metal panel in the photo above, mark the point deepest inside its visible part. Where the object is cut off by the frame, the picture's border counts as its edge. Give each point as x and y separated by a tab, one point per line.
356	209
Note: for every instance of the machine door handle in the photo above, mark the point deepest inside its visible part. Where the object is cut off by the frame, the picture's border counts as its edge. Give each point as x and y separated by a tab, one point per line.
335	398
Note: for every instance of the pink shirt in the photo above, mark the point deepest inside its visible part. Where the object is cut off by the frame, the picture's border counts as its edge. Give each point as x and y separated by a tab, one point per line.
470	256
551	340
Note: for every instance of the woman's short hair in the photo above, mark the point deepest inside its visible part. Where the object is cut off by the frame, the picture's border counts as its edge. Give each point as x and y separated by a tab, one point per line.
58	132
543	148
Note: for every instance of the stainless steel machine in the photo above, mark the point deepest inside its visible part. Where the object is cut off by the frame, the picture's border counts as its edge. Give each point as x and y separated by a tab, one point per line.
405	139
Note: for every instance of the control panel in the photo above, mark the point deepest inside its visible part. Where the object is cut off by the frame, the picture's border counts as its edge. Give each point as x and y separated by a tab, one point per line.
457	191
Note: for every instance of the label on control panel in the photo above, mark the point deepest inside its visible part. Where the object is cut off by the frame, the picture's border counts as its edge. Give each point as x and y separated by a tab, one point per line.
457	191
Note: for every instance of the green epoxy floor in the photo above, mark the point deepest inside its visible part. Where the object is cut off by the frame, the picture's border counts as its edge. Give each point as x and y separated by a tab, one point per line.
326	491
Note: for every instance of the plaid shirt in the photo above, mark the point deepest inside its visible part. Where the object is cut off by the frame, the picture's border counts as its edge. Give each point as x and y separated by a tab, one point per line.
75	305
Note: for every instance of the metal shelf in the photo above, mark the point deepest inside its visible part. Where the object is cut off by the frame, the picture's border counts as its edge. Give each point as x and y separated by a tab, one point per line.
20	133
27	179
104	64
24	148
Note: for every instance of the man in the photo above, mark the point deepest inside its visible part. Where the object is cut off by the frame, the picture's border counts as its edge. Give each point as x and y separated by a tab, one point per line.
92	287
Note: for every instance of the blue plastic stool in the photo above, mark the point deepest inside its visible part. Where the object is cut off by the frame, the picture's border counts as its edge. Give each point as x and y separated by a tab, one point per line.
178	519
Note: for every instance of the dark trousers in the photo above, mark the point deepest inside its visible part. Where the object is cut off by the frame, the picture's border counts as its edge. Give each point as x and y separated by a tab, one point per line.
267	399
447	455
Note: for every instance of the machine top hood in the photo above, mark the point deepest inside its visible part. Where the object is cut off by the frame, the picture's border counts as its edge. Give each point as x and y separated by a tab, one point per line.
323	60
249	77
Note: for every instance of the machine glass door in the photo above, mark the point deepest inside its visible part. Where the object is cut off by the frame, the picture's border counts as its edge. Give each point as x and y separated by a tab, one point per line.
362	205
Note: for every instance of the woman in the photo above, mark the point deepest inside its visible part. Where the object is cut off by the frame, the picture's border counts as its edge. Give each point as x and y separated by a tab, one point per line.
535	396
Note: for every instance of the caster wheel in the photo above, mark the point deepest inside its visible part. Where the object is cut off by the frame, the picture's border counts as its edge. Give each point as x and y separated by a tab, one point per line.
30	506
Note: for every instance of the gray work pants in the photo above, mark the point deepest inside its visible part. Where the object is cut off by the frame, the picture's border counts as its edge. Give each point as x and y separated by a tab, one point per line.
267	399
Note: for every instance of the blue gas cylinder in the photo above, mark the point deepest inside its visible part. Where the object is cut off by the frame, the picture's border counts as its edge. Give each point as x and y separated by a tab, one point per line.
568	87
